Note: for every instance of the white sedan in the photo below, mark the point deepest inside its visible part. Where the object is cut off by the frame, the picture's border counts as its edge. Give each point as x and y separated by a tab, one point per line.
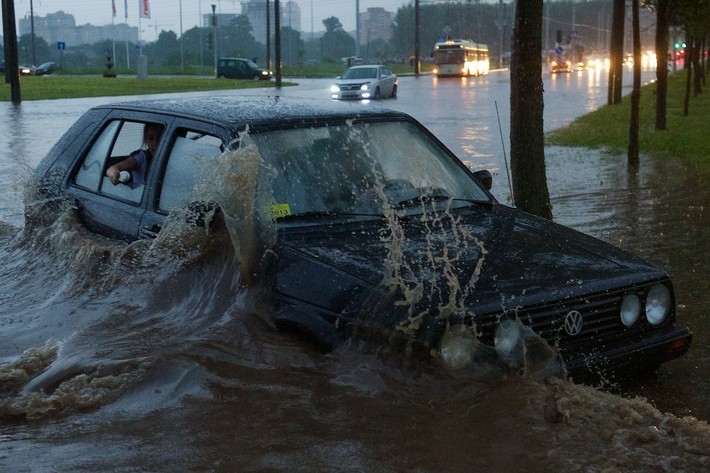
365	82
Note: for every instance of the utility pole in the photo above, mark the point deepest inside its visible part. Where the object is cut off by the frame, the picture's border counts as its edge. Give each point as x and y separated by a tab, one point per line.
416	37
268	36
357	28
277	42
32	31
501	25
214	40
182	52
12	74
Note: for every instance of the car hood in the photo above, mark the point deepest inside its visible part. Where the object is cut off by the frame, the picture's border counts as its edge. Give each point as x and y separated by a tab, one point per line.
354	81
492	256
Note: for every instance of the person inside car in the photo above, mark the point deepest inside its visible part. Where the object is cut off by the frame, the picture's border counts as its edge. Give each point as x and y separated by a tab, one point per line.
136	165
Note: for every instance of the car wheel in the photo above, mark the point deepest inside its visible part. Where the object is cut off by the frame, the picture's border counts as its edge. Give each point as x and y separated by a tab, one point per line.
377	93
256	77
394	91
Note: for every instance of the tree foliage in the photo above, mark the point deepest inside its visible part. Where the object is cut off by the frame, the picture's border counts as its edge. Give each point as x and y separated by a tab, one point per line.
336	42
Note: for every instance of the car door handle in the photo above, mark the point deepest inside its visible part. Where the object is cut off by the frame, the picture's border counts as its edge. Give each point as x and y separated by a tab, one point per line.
151	232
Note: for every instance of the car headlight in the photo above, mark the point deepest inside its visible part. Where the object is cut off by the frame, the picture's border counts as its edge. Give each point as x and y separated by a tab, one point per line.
457	346
364	86
658	304
334	88
507	338
630	310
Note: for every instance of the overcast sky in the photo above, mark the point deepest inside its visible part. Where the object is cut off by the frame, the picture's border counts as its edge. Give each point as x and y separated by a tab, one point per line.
165	14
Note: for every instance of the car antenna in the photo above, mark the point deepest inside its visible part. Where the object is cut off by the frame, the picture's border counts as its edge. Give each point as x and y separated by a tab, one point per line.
505	158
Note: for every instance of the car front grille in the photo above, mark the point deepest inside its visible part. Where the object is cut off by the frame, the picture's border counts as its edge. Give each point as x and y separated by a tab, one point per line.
602	329
350	87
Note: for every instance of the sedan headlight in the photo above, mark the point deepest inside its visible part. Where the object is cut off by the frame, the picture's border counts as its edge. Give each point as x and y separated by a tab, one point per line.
658	304
334	88
457	347
630	310
364	86
507	338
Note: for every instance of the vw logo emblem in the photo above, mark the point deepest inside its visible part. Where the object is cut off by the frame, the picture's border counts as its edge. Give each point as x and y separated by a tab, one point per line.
573	322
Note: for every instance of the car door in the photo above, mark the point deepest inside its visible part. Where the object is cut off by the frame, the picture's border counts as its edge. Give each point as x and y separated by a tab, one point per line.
387	81
105	208
192	147
242	70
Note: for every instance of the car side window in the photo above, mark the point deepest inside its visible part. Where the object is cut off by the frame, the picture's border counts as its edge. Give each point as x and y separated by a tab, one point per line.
115	144
191	151
89	174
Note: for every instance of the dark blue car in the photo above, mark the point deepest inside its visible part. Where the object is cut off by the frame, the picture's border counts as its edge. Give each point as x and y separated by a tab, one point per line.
359	223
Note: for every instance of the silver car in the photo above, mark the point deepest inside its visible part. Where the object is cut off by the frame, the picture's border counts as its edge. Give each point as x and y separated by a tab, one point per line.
364	83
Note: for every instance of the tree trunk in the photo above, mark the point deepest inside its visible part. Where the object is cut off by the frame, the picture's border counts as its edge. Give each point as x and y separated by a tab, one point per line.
662	23
689	74
527	142
616	53
698	70
633	151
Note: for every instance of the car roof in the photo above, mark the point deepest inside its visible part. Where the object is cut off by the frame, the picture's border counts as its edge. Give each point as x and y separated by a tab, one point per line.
365	66
238	111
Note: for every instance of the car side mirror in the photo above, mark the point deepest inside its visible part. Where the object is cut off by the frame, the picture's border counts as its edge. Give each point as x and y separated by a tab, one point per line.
485	177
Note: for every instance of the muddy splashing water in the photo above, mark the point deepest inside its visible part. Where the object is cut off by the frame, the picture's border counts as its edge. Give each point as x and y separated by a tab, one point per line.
148	355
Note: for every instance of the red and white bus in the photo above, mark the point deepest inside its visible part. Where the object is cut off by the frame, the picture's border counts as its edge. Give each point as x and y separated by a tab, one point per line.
460	57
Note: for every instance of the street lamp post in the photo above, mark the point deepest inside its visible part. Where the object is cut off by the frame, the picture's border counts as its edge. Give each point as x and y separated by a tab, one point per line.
214	31
182	52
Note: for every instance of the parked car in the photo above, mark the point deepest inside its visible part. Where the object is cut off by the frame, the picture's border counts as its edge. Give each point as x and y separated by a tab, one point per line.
239	68
46	68
26	70
363	224
365	82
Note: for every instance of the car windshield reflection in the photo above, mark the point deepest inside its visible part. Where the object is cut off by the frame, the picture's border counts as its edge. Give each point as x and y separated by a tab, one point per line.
361	170
360	73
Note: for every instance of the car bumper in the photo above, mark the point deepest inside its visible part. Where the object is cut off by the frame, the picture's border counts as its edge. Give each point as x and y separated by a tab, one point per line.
354	95
643	355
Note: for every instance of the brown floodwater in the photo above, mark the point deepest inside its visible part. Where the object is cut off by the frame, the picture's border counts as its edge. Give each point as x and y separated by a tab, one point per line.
149	357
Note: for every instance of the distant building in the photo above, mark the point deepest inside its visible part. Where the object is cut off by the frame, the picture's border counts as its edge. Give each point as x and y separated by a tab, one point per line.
222	19
60	26
255	10
375	23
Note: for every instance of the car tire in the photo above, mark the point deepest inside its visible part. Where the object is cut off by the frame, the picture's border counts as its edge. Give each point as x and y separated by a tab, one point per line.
394	91
377	93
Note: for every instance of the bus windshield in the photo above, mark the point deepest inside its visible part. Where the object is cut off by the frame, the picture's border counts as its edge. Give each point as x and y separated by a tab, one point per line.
448	56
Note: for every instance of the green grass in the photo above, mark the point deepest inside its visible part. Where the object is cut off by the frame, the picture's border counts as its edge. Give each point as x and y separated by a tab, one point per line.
68	87
685	137
74	84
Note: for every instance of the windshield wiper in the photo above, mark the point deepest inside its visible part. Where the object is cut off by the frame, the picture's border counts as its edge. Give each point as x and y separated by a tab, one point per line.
317	215
423	198
427	198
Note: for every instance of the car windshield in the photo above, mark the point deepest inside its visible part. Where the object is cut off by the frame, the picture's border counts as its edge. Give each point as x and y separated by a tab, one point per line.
363	169
360	73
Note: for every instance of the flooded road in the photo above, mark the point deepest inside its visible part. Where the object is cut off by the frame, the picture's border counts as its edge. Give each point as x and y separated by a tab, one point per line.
108	364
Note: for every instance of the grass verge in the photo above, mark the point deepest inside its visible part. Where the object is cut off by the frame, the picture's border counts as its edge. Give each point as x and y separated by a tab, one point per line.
162	81
70	87
685	137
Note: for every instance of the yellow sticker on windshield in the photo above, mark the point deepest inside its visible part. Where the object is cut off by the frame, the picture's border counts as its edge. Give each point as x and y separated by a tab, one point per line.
280	210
